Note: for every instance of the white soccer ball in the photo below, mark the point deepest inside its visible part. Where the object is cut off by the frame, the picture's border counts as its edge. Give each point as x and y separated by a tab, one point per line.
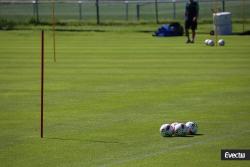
173	124
192	128
210	42
166	130
206	41
180	129
221	42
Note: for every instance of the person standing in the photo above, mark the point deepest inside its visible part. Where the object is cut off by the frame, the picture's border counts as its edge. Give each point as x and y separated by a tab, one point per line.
191	16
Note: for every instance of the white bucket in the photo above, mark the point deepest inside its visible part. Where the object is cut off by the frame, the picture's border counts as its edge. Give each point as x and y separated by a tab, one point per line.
223	23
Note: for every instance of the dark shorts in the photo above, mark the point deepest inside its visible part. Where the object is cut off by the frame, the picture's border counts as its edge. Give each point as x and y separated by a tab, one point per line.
190	24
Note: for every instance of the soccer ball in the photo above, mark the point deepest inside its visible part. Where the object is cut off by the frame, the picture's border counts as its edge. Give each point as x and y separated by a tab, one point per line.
206	41
180	129
166	130
192	128
210	42
174	124
221	42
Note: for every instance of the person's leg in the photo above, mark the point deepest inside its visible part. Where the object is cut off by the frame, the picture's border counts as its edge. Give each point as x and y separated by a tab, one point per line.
187	26
193	27
193	35
187	35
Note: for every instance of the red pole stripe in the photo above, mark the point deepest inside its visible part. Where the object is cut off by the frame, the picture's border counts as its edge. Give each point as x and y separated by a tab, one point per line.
42	80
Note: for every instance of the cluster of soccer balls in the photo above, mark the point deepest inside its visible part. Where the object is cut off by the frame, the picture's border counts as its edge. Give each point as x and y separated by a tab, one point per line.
178	129
210	42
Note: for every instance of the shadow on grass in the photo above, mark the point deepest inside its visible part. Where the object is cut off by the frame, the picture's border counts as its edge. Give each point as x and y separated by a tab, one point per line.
184	136
82	140
198	134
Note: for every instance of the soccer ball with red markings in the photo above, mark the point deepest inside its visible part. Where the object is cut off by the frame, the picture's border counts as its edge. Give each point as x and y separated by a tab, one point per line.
192	127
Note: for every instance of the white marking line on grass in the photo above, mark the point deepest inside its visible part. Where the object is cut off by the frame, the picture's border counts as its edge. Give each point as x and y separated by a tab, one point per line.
152	154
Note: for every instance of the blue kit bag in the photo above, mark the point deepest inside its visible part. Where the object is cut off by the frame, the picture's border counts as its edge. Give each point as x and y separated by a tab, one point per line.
166	30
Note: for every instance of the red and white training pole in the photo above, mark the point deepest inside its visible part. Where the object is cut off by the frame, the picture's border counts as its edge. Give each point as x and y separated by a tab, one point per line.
42	80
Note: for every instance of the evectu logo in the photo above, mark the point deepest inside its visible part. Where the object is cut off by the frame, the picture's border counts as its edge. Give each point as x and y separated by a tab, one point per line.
235	154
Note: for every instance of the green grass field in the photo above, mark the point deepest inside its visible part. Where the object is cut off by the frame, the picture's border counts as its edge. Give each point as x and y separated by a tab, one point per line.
109	92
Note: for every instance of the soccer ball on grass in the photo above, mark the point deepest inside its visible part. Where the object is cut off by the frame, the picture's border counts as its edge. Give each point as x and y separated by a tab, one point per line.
180	129
206	41
210	42
173	124
166	130
221	42
192	128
